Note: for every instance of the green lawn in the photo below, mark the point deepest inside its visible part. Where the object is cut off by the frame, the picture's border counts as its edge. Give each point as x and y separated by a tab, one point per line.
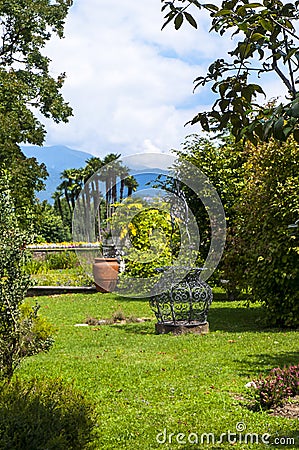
142	383
62	277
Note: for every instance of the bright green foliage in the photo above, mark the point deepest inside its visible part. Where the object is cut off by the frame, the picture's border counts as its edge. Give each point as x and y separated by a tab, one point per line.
47	225
44	414
21	331
263	248
26	26
27	91
147	235
223	165
258	186
62	260
266	42
67	277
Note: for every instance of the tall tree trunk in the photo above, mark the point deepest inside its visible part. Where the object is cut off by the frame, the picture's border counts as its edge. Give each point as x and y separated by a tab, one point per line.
122	188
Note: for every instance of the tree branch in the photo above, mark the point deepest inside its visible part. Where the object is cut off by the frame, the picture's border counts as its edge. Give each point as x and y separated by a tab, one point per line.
281	74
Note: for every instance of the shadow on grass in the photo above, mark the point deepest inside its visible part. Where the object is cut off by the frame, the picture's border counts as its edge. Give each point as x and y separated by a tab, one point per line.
229	319
253	365
235	319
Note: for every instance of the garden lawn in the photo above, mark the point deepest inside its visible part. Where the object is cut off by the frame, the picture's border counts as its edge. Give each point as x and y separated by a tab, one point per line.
143	384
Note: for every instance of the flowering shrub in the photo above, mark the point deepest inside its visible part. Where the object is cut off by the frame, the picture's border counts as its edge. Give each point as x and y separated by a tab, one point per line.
277	386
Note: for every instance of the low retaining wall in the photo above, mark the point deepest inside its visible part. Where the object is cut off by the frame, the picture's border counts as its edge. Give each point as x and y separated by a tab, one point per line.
57	290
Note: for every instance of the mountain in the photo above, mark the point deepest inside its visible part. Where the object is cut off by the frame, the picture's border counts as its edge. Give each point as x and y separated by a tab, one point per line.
56	158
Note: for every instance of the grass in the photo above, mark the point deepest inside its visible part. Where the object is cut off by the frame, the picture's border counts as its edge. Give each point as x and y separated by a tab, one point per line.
142	383
62	277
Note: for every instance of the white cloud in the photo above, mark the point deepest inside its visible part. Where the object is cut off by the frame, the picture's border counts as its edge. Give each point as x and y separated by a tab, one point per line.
129	83
126	79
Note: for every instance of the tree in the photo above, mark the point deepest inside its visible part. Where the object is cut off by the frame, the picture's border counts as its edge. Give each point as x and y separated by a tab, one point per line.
48	225
27	89
26	178
258	186
26	83
146	236
263	252
131	184
223	163
266	43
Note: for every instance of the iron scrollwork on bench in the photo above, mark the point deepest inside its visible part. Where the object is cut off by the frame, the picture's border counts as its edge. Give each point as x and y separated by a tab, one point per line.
185	301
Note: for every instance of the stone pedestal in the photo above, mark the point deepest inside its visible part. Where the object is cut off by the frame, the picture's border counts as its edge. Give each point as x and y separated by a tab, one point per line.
182	328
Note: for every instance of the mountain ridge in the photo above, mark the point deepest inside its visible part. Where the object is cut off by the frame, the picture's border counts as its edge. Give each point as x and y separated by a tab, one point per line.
57	158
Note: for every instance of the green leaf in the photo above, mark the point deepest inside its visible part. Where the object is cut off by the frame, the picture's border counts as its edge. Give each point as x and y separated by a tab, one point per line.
258	88
252	5
209	6
190	19
224	12
169	17
296	134
266	24
278	129
178	21
290	54
257	36
295	110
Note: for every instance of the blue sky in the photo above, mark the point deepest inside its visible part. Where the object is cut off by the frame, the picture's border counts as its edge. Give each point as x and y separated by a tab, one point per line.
130	84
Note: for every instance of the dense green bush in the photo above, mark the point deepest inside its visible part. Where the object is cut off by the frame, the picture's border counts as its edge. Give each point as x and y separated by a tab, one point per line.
48	225
18	327
258	186
44	414
146	236
66	277
263	256
34	266
62	260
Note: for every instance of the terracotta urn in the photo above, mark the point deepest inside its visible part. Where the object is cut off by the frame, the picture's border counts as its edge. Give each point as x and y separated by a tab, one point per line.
105	274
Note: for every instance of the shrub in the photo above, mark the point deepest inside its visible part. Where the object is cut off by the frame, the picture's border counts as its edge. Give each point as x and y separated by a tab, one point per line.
66	277
34	267
277	386
146	234
18	337
62	260
37	331
44	414
118	315
261	254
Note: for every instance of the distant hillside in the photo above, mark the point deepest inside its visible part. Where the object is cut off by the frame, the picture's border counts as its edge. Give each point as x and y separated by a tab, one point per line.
57	159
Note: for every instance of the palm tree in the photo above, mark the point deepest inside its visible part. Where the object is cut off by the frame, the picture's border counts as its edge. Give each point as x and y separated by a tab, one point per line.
131	184
57	202
93	165
109	174
72	185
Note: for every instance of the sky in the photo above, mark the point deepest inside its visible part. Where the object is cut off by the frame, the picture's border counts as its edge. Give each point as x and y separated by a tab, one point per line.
129	83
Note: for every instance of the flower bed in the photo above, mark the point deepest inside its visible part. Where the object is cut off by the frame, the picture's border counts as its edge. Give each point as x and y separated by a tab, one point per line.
64	245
